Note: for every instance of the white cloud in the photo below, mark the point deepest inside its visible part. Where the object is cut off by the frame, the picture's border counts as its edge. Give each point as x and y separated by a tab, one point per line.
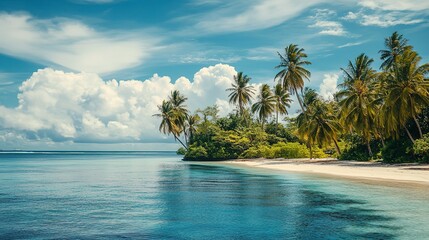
383	19
398	5
72	44
388	20
329	86
351	44
250	15
81	107
330	28
322	20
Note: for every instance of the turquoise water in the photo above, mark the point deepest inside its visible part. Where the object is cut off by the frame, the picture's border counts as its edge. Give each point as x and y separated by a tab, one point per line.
154	195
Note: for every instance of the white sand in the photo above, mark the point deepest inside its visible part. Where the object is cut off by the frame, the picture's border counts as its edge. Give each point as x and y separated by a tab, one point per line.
405	173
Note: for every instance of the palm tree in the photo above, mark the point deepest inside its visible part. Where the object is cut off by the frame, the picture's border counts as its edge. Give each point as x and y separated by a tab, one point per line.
265	105
191	126
319	125
168	123
178	100
357	98
408	89
293	73
241	92
283	101
396	45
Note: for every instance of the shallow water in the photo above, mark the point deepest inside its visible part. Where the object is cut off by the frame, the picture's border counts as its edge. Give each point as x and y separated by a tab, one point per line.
154	195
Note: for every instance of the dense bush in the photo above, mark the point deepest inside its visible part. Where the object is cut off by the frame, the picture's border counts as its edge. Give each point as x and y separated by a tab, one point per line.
196	153
421	148
398	151
356	152
278	150
181	151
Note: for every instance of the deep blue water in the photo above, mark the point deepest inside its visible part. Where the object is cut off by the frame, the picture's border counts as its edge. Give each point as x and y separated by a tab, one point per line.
154	195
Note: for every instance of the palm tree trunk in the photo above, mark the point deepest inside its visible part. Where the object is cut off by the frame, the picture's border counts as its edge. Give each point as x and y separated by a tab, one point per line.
186	138
176	138
368	145
311	150
299	99
277	120
409	135
418	126
381	137
337	147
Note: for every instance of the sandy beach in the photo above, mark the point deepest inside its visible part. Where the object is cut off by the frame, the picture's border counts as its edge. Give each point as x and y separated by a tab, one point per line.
397	173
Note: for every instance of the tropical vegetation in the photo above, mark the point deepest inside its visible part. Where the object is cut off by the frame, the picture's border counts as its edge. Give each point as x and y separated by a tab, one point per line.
380	115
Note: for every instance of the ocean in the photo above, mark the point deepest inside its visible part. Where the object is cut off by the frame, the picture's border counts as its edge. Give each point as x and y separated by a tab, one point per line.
155	195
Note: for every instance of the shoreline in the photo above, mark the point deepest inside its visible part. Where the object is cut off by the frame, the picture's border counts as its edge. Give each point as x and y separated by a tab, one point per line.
416	174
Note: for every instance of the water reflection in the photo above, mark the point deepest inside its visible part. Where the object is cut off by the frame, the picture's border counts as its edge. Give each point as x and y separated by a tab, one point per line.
205	201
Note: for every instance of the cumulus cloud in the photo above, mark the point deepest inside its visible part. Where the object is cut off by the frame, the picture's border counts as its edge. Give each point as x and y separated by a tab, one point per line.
72	44
330	28
327	27
329	86
82	107
253	15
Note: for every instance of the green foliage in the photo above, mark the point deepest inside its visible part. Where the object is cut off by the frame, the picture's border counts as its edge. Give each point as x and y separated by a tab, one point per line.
398	151
319	153
357	152
356	149
279	130
181	151
370	107
196	153
421	148
278	150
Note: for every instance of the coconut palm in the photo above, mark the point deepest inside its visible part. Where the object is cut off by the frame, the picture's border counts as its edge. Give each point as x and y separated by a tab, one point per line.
319	125
408	89
191	126
357	98
168	123
241	92
265	104
395	44
178	102
283	101
293	70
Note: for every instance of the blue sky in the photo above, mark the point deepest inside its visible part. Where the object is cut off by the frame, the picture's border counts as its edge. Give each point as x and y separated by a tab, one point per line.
79	74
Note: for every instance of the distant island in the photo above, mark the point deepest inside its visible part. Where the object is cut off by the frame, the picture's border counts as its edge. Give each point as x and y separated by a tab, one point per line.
376	115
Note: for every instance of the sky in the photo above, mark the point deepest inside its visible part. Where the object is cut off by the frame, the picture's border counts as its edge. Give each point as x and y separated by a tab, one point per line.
89	74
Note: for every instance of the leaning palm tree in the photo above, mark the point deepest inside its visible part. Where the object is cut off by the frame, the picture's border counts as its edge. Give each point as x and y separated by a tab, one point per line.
168	123
293	70
357	98
283	101
408	89
265	104
396	45
241	92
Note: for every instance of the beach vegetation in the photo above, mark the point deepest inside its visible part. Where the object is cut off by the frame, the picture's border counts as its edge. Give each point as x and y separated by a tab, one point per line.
375	114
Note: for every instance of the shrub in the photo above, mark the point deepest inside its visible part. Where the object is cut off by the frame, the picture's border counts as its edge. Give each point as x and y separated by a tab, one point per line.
421	148
258	151
196	153
290	150
181	151
319	153
398	151
356	152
